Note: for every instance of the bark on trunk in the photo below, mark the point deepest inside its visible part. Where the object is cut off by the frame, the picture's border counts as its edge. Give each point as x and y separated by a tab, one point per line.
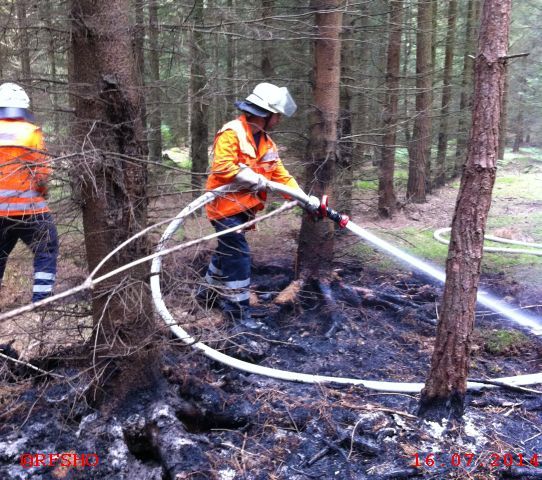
444	392
112	173
386	191
315	251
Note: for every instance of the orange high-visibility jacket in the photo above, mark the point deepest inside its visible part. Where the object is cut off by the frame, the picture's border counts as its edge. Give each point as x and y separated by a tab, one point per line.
235	144
23	170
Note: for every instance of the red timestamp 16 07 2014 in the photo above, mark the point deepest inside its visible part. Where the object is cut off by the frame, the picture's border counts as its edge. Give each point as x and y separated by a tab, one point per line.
470	459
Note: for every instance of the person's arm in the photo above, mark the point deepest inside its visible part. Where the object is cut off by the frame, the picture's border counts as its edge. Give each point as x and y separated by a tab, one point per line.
281	175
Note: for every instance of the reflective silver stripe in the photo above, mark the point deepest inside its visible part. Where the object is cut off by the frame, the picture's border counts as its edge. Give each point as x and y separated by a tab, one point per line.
214	269
42	288
270	156
19	193
238	297
44	276
12	207
237	283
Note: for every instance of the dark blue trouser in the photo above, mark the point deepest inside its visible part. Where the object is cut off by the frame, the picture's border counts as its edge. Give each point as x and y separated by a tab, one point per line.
38	232
229	269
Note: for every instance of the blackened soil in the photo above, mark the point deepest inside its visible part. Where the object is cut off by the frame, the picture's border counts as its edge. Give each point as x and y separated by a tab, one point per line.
218	423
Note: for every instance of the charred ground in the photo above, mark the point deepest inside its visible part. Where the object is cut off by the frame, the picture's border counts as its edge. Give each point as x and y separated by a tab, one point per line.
210	421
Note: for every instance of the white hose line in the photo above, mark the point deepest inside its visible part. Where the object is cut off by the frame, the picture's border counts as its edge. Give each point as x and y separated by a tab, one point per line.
438	236
178	331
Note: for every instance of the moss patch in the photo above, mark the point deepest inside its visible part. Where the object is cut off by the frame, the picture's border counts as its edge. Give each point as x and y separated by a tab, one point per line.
504	342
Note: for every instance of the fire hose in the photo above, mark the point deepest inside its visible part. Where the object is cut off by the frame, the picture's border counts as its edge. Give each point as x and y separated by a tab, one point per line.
534	248
344	222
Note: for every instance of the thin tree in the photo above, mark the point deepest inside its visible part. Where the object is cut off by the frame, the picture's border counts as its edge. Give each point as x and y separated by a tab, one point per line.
231	63
199	107
421	135
444	392
51	58
113	178
520	119
503	127
440	167
316	239
466	86
386	191
24	43
344	178
155	107
266	48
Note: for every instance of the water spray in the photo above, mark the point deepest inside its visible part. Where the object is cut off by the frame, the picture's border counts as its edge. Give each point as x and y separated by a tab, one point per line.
344	222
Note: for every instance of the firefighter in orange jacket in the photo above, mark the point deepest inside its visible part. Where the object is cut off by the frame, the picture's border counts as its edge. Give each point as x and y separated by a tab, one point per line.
245	156
24	170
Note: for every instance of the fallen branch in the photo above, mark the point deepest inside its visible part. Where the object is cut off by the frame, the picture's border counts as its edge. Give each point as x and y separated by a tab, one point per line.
29	365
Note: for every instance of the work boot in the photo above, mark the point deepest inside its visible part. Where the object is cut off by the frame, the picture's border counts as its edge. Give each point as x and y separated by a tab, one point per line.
247	320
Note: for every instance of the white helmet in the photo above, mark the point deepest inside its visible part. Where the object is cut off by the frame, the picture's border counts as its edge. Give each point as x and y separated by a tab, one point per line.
13	96
273	99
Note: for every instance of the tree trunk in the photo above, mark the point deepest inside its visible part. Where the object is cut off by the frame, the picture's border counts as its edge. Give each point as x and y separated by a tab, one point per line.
377	59
519	127
51	57
518	139
113	178
24	46
421	136
360	113
444	392
440	175
344	177
231	90
503	127
199	108
315	251
266	46
386	190
466	87
139	47
407	51
154	108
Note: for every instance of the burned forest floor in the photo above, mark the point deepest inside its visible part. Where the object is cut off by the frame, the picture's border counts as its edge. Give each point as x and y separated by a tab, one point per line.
376	321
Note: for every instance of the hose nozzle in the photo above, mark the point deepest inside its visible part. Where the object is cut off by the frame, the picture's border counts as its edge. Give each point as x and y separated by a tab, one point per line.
340	219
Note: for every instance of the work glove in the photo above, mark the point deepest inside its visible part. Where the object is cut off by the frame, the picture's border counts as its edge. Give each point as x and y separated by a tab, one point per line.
249	179
313	205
